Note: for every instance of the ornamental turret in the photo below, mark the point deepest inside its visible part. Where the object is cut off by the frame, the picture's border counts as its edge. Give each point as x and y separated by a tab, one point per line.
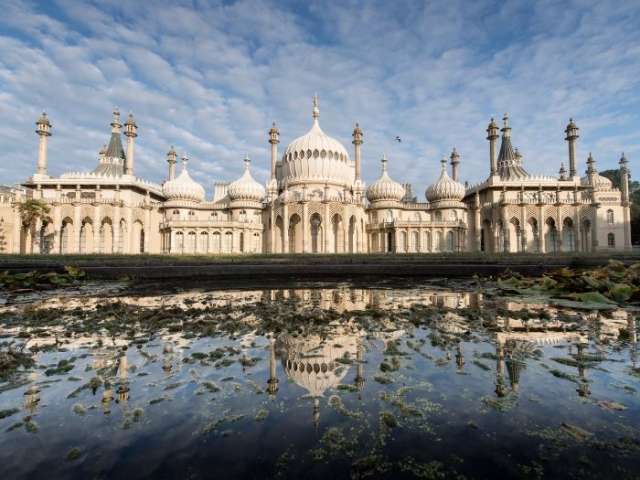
455	165
562	172
624	180
172	158
492	136
571	137
246	188
445	188
43	129
591	170
274	140
183	187
357	144
131	132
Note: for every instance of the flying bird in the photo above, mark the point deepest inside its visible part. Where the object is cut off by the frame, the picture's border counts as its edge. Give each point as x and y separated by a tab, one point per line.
398	139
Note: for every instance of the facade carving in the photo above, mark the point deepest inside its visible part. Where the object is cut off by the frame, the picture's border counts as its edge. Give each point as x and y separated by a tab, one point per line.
315	201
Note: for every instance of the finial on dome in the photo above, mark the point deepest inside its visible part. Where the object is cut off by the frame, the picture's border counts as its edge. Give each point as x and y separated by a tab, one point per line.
115	122
505	120
185	161
384	163
316	107
247	162
443	164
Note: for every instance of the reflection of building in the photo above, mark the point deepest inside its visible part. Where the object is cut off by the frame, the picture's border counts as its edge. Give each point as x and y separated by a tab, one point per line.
315	201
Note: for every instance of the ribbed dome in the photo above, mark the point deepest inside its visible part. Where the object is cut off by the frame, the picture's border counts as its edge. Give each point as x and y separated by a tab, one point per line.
600	182
246	188
317	156
384	188
183	187
445	188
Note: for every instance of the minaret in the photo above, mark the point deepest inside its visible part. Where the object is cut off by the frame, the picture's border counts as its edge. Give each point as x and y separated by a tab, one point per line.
357	143
624	180
571	136
43	129
455	165
130	131
591	170
274	140
492	136
172	157
563	172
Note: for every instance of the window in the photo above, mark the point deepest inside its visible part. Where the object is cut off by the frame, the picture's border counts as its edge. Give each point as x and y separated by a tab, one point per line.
610	217
611	240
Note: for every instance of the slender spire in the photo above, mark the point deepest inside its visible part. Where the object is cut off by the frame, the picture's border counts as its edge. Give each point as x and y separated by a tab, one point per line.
384	163
316	107
115	122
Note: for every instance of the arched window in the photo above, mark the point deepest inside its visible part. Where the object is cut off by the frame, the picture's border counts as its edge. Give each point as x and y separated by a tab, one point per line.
611	240
438	216
610	217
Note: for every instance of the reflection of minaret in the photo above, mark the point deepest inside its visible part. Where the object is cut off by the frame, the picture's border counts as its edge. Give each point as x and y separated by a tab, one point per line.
31	399
633	340
123	384
459	357
272	383
501	390
583	387
514	367
359	380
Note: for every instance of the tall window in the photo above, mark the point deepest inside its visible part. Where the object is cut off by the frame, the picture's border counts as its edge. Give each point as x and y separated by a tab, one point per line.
610	217
611	240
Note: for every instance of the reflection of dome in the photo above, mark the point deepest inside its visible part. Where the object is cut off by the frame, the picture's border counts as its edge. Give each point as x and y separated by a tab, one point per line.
384	188
311	361
183	187
317	156
445	188
246	188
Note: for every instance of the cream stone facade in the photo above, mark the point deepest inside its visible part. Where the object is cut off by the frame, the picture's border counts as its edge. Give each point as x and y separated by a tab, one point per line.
315	201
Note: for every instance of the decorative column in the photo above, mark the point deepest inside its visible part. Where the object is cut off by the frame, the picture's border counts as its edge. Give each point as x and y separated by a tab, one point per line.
626	213
57	222
542	225
43	129
455	165
96	222
77	225
571	136
492	136
477	225
147	222
116	222
130	131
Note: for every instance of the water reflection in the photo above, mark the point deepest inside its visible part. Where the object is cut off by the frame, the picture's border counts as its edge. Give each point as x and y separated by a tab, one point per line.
291	370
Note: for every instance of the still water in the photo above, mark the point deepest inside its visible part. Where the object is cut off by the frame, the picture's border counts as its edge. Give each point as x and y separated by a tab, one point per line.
437	380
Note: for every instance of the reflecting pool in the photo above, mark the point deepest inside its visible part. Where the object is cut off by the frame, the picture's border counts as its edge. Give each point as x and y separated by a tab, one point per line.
441	379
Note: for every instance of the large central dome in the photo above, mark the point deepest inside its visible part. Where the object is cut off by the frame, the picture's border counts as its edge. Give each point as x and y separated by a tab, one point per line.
317	158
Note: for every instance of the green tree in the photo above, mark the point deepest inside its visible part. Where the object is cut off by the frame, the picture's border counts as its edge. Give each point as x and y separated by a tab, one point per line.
32	210
634	198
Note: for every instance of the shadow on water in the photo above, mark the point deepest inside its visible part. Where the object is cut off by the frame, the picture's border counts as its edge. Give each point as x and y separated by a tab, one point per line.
437	379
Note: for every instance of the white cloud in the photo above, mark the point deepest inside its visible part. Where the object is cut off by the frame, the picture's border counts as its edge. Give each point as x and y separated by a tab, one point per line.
211	81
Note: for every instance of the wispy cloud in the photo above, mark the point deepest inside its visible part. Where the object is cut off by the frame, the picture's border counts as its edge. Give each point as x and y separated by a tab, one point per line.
210	80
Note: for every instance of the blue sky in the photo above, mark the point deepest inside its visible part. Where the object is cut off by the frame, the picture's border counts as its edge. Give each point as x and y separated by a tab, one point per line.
210	77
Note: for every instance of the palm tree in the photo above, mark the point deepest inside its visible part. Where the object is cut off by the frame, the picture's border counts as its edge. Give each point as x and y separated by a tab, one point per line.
32	210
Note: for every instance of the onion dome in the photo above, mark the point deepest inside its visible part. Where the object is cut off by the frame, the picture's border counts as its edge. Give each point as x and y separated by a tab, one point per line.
246	188
317	156
183	187
445	188
384	188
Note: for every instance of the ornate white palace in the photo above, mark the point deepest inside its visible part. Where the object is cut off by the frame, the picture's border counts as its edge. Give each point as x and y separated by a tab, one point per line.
316	201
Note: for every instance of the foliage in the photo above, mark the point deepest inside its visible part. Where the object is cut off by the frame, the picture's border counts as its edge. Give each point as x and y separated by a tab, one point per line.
32	210
596	289
40	281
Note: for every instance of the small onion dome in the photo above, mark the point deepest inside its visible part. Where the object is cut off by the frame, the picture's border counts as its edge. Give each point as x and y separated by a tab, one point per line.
445	188
246	188
183	187
384	188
